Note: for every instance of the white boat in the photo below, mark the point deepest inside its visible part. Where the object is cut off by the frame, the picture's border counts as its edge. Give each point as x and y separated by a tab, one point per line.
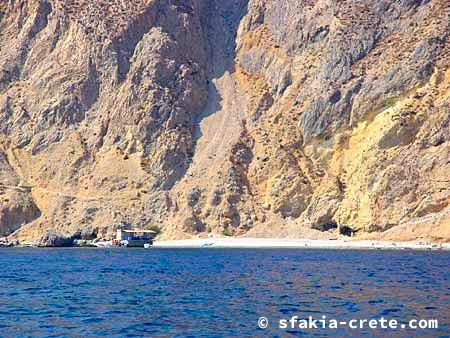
103	244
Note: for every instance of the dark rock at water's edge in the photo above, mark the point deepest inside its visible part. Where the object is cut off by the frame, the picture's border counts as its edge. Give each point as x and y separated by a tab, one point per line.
6	244
54	239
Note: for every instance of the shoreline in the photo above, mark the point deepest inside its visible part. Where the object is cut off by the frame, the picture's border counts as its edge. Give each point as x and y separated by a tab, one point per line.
272	243
279	243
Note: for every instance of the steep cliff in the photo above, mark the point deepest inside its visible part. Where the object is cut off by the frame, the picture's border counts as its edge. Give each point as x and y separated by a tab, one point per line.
278	118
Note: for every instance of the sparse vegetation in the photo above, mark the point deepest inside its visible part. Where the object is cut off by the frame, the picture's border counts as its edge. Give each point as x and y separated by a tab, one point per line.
390	102
227	232
25	202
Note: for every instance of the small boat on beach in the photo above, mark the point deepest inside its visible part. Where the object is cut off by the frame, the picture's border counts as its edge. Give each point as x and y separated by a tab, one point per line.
102	244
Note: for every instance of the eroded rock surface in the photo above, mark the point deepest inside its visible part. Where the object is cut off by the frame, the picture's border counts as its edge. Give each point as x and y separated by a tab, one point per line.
278	118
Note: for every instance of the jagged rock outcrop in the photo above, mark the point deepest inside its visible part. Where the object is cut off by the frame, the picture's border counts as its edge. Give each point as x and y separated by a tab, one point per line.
227	117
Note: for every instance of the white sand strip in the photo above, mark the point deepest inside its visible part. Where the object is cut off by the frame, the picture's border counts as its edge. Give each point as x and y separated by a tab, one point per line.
297	243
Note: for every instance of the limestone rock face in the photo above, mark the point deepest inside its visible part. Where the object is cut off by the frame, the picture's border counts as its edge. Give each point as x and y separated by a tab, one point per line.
225	117
17	207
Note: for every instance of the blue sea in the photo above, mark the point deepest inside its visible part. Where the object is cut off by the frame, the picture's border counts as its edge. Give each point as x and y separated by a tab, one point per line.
217	292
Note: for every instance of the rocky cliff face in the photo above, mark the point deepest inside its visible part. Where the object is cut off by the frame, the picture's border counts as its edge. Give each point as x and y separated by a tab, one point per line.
273	118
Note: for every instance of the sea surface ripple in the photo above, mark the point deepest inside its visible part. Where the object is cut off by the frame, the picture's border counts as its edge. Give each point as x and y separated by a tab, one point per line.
217	292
